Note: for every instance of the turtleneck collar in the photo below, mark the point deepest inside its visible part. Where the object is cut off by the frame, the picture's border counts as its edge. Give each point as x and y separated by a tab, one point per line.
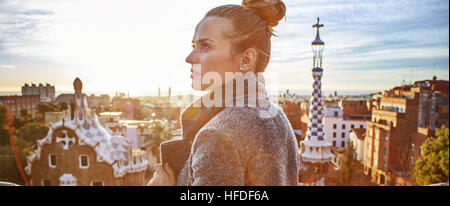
203	109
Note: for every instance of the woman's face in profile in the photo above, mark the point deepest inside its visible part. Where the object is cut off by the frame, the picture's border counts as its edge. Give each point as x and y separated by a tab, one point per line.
211	53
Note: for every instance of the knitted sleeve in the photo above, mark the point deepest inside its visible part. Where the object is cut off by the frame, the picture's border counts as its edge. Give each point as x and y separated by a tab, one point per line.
215	160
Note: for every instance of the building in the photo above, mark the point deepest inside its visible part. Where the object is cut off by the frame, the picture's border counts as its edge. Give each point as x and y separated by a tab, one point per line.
304	118
352	107
315	151
110	120
401	121
99	103
417	139
17	103
79	151
53	117
357	137
136	131
293	113
64	98
46	93
128	106
337	126
434	105
387	137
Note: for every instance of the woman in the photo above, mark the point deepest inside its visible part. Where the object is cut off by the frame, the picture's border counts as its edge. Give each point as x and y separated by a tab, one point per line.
233	143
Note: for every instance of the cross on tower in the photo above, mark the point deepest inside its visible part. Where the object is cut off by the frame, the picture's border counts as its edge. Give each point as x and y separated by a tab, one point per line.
66	140
317	25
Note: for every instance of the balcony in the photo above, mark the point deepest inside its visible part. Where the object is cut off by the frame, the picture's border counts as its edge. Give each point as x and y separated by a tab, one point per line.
379	125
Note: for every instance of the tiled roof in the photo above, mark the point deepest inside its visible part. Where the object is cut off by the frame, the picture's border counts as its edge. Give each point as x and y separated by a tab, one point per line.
360	133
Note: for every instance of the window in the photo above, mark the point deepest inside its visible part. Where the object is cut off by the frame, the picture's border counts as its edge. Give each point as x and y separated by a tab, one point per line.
382	179
336	114
334	143
52	160
343	126
343	144
334	126
377	135
84	161
334	134
385	151
361	126
386	138
343	135
384	164
97	183
352	126
46	182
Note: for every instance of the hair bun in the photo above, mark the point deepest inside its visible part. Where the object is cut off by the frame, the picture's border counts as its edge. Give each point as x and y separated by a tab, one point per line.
270	10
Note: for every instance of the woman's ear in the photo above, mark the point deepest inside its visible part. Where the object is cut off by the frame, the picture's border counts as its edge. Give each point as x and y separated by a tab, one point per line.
248	60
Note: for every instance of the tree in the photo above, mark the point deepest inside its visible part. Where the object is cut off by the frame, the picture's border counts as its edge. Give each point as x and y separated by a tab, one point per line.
159	134
33	131
4	136
63	106
432	165
24	118
44	107
349	168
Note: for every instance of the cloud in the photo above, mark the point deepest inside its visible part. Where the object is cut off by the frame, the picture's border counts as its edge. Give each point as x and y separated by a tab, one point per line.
7	66
370	39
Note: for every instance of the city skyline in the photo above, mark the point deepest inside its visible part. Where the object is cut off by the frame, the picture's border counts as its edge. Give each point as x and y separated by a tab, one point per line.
114	46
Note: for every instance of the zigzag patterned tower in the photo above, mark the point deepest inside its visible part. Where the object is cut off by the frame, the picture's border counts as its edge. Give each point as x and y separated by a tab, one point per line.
315	151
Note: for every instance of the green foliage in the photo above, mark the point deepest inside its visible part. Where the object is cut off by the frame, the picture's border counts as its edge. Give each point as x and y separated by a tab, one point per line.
28	132
4	136
24	118
9	171
349	167
2	115
44	107
63	106
33	131
159	134
432	166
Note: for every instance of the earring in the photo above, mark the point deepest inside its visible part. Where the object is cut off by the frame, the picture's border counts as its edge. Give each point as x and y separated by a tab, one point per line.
241	68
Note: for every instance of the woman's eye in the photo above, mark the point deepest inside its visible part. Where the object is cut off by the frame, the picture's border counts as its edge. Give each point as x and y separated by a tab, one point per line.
204	46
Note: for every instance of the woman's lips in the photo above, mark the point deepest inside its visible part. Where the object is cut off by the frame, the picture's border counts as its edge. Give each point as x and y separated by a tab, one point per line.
193	73
195	69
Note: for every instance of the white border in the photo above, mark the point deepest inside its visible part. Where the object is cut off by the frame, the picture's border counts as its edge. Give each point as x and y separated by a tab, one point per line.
103	183
50	161
81	166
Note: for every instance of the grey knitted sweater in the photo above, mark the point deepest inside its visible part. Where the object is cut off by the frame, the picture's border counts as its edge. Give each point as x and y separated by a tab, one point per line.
250	145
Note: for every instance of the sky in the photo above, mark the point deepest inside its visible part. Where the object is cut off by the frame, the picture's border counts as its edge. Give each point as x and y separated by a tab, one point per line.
137	46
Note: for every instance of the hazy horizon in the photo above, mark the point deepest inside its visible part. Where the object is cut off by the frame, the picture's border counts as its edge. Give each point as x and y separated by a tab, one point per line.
136	46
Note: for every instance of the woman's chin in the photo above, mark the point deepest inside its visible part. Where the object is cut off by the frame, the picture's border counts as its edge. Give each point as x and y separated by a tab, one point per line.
196	87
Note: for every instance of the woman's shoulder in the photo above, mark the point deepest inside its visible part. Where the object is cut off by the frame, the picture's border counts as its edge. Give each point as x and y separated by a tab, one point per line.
251	120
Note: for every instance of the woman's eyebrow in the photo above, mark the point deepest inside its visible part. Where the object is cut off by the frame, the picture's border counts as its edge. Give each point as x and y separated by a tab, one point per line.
202	40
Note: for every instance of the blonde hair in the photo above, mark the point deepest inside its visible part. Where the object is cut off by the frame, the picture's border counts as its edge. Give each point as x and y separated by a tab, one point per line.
252	21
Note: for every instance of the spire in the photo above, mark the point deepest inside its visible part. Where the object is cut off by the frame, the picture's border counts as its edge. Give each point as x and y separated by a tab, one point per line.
317	46
317	41
315	149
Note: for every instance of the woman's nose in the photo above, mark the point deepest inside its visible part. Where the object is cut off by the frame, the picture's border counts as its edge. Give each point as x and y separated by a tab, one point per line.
191	58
